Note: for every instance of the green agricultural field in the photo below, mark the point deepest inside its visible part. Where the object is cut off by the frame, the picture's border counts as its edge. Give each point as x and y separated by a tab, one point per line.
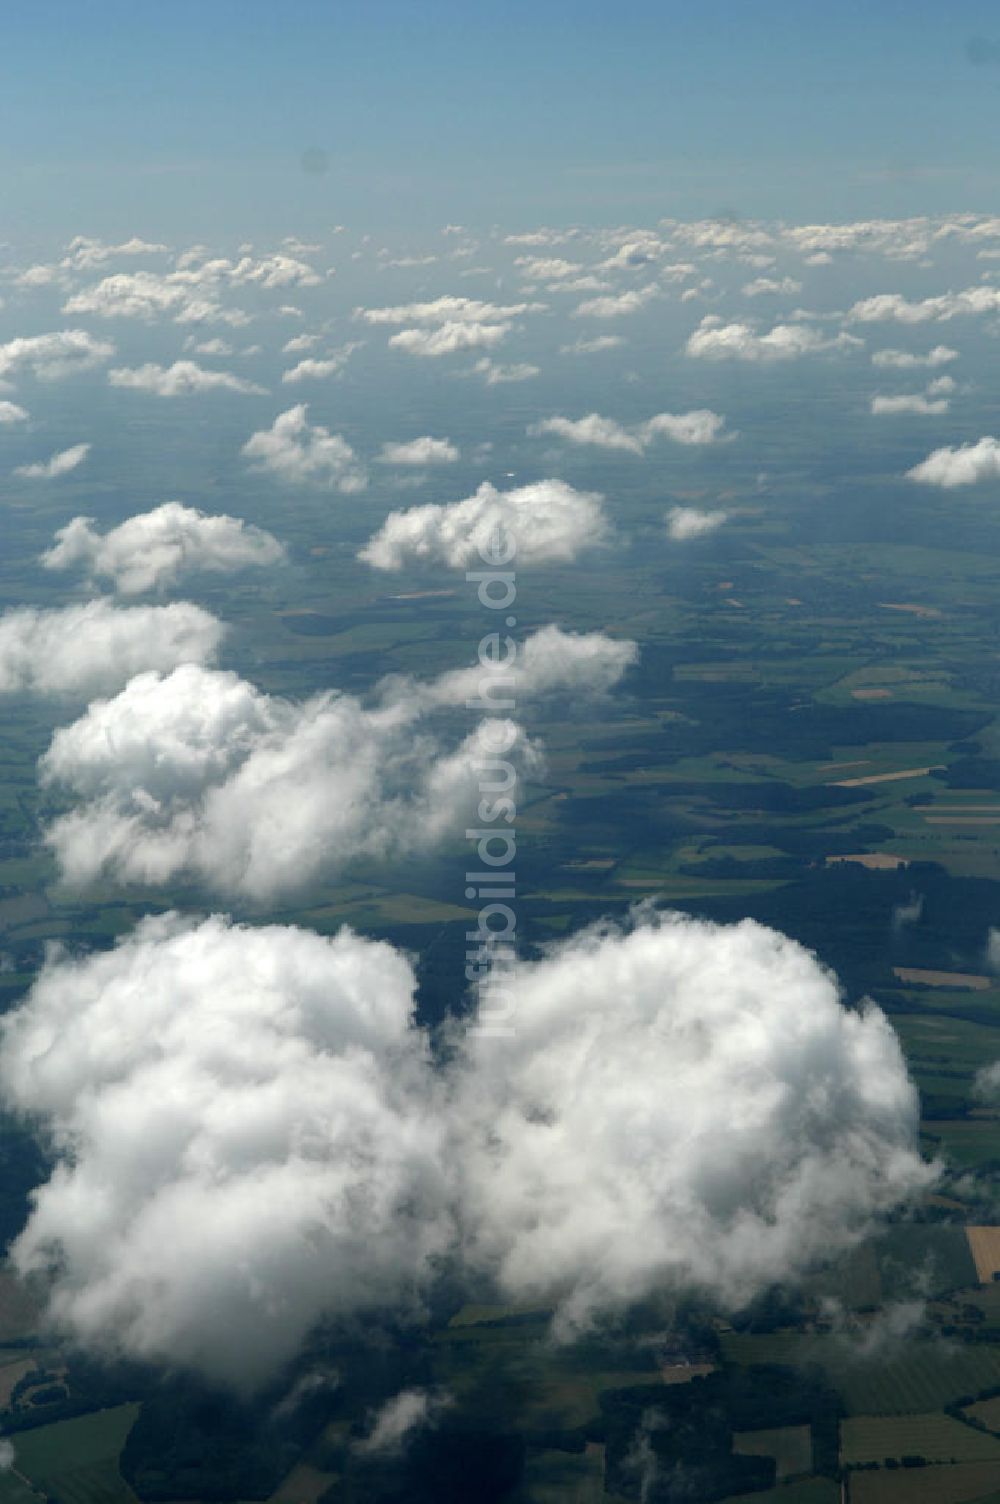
76	1461
568	1478
790	1446
961	1484
987	1412
804	1491
936	1437
920	1376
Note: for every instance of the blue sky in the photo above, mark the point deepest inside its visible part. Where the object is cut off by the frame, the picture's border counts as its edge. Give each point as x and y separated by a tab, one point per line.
121	116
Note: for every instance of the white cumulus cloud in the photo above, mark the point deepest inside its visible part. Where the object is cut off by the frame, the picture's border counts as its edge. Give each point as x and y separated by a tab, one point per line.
725	1123
423	451
692	522
245	1138
966	465
906	360
50	357
701	426
306	454
548	522
182	379
57	464
154	549
716	340
81	651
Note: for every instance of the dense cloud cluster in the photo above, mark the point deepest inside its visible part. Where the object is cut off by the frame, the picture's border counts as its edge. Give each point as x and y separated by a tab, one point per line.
249	1132
251	1136
197	773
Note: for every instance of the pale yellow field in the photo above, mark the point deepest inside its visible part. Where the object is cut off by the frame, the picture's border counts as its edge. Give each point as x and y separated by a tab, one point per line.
304	1485
877	861
683	1373
984	1245
943	978
924	611
856	783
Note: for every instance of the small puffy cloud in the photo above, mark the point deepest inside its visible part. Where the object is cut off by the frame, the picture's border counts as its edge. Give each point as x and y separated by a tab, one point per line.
584	346
616	305
184	378
501	375
208	346
50	357
701	426
724	1126
81	651
422	451
58	464
548	662
966	465
320	368
449	338
245	1137
84	252
905	360
547	268
447	310
716	340
893	307
603	433
306	454
154	549
273	271
768	286
10	412
409	1411
684	523
632	255
547	521
299	343
914	404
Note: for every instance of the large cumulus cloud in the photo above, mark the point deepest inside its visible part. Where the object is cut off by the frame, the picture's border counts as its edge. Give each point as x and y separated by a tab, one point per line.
548	521
154	549
199	773
249	1136
246	1137
684	1104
